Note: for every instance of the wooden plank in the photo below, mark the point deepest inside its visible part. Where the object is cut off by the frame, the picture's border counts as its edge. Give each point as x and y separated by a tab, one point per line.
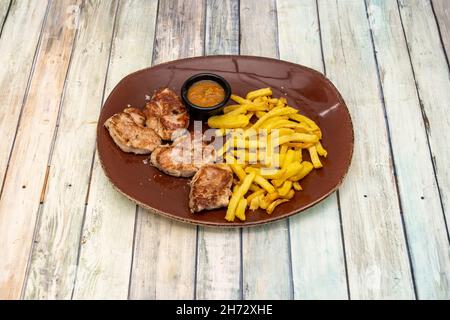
22	29
219	259
318	264
422	211
107	240
264	276
222	27
441	9
164	256
376	252
19	202
433	84
53	262
4	7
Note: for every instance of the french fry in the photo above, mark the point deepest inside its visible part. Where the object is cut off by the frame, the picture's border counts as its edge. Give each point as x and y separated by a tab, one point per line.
274	204
289	158
266	172
285	188
281	102
273	123
228	121
271	173
237	169
262	182
298	155
240	209
263	204
260	114
277	133
268	160
307	167
270	197
283	151
282	122
254	107
304	128
296	185
248	144
259	93
241	110
239	99
298	137
231	108
300	118
254	204
315	157
236	196
292	169
301	145
255	194
321	150
289	196
273	113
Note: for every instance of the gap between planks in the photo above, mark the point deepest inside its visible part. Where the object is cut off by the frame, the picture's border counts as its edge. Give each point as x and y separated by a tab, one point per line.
4	12
47	172
391	149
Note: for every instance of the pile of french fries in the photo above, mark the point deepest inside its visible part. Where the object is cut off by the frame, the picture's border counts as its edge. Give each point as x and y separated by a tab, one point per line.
264	148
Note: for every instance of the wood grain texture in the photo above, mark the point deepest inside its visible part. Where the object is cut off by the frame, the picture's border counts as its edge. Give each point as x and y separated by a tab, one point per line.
422	211
4	6
433	84
53	263
222	27
165	250
442	12
107	240
20	199
20	30
219	259
318	264
376	252
266	261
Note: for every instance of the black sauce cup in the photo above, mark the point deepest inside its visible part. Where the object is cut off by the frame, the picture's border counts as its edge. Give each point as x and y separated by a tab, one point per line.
202	113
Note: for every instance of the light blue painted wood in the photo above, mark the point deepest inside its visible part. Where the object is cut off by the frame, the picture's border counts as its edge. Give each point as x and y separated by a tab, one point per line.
107	238
318	264
53	262
422	211
433	82
376	252
442	11
4	5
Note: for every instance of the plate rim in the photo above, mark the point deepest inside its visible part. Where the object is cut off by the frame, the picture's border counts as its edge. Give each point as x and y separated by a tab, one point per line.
240	224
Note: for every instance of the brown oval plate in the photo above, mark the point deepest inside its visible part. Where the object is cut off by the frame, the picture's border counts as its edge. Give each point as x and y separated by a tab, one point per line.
304	88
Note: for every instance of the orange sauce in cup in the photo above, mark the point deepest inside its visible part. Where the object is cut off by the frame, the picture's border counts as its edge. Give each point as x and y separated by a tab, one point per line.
206	93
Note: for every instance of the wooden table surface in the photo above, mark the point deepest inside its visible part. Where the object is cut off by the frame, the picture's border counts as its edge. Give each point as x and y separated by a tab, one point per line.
65	233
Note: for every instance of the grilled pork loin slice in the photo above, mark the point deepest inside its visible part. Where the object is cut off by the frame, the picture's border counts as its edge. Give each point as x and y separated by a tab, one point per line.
128	131
210	187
